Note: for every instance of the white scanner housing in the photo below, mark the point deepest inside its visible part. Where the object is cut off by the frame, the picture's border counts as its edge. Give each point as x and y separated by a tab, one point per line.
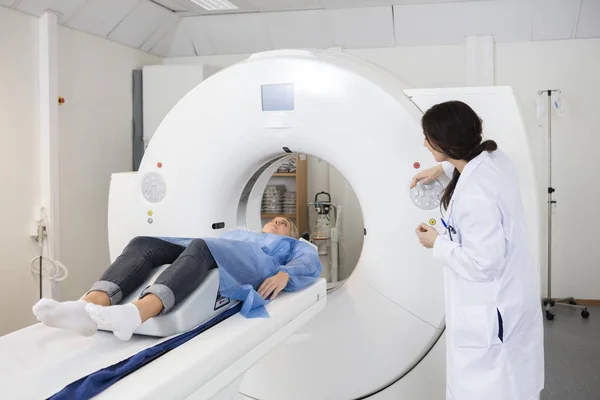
205	170
208	164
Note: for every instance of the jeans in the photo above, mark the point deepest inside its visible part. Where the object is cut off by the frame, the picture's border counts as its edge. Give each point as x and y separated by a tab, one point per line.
188	269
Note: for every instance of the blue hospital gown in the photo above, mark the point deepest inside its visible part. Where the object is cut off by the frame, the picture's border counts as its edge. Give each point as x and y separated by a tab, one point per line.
245	259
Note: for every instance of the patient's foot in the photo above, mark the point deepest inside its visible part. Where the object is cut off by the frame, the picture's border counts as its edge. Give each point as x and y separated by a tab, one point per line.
121	320
66	315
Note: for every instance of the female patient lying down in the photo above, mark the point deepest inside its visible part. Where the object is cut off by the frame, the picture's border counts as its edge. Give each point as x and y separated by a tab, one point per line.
252	267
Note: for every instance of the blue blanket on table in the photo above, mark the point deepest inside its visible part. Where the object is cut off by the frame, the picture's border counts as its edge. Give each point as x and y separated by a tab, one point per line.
95	383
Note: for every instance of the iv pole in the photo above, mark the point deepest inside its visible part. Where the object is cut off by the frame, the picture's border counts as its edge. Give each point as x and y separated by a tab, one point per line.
548	301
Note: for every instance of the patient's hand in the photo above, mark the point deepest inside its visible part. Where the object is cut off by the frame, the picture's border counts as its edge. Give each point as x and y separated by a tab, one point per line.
273	285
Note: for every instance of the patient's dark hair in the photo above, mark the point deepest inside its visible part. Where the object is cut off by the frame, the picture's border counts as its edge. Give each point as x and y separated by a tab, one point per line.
453	128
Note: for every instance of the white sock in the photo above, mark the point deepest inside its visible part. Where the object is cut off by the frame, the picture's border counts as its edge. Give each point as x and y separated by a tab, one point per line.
66	315
121	320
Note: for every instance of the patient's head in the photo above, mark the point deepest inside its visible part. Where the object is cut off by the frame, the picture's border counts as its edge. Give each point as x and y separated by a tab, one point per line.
281	226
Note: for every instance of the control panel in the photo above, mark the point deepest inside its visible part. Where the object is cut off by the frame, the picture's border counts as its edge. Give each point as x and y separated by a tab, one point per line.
427	196
154	187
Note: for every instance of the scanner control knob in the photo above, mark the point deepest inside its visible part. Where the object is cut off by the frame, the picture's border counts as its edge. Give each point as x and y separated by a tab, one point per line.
427	196
154	187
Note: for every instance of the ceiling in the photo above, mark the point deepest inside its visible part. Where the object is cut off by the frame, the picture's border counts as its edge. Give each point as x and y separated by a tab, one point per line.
171	28
186	8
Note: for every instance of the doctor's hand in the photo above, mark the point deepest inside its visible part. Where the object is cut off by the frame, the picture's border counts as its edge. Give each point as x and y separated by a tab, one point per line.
427	175
427	235
273	285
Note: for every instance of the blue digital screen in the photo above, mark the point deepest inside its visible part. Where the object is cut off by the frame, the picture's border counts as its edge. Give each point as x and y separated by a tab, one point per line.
278	97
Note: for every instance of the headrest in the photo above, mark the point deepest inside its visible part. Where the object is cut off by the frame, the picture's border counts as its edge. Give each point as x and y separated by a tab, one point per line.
312	244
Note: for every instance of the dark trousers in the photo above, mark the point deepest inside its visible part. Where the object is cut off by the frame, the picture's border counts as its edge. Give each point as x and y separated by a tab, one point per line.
189	267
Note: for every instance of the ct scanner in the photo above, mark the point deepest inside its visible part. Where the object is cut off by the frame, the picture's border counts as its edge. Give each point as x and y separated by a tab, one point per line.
380	335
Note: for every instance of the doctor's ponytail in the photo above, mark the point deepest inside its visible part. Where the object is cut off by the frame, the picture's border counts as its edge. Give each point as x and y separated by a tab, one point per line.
454	129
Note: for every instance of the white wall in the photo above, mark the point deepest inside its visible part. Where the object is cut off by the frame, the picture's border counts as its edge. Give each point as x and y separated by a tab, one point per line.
573	67
322	177
351	225
317	175
19	172
164	86
95	141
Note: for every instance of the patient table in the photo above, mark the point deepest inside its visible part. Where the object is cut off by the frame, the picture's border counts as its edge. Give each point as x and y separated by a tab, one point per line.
36	362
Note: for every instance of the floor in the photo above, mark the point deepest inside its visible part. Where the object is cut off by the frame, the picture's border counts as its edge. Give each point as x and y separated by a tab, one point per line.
572	355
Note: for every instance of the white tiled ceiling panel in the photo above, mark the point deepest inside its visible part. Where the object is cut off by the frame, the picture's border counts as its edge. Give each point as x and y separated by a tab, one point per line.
299	29
163	45
285	5
589	19
554	19
243	6
100	17
183	28
356	28
167	25
450	23
64	8
334	4
412	2
195	29
177	43
371	3
174	5
139	25
235	33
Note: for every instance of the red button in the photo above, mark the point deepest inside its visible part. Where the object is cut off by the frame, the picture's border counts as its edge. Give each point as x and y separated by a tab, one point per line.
159	165
417	165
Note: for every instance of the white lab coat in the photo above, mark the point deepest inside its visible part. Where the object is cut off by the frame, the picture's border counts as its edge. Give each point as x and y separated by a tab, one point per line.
489	277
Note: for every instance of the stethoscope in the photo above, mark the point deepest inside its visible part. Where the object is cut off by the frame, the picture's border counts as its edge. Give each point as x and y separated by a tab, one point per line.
449	228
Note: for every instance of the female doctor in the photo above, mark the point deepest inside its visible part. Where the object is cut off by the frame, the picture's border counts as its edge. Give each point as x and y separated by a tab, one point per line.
493	314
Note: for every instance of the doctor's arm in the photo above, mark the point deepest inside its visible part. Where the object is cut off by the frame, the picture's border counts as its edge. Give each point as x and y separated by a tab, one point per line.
481	254
431	174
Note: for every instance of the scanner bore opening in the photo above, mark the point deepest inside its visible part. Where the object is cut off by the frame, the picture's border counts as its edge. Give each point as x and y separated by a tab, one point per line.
348	227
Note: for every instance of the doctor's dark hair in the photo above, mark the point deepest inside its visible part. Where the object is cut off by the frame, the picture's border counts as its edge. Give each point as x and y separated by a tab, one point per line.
453	128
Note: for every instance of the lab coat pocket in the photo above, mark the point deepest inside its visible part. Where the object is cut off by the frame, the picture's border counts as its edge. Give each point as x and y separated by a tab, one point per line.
472	327
454	232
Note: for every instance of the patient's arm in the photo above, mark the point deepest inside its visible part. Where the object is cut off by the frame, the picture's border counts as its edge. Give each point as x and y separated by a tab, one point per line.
303	266
301	269
272	286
